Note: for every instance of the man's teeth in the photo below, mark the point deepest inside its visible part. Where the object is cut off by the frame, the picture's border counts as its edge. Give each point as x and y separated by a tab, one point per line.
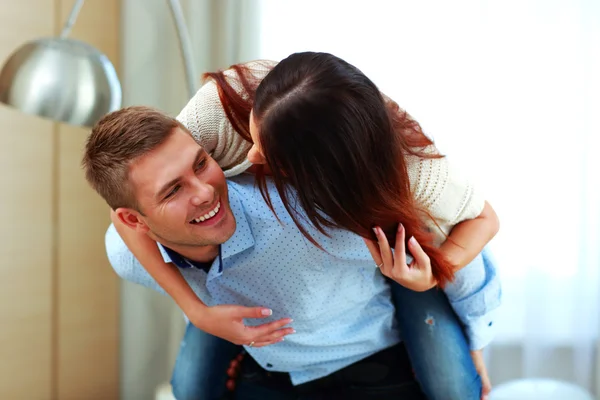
208	215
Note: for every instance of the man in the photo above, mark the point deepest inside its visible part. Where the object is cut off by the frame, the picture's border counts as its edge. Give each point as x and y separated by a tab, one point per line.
161	182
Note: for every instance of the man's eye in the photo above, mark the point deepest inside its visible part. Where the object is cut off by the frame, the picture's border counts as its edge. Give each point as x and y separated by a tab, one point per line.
201	165
173	191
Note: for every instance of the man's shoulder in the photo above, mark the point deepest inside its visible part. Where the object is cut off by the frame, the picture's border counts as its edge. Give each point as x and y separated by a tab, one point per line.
247	190
242	183
124	263
244	189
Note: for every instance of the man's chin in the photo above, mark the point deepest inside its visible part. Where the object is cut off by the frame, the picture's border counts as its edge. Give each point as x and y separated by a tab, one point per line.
218	234
227	231
226	227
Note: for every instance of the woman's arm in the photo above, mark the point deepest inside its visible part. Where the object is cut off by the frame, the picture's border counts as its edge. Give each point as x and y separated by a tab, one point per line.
468	238
166	275
464	221
224	321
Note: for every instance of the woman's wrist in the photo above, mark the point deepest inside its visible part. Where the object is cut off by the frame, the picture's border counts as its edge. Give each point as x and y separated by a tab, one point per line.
197	313
452	253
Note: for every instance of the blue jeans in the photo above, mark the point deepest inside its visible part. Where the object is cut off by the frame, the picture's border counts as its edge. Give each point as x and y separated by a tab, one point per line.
432	334
437	347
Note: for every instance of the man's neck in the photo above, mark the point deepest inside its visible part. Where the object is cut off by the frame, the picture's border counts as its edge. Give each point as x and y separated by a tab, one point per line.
201	254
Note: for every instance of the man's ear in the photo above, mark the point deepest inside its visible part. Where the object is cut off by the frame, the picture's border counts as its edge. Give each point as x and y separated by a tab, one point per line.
130	218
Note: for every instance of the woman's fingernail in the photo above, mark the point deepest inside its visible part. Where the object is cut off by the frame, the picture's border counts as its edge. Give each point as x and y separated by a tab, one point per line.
400	227
266	311
375	231
412	240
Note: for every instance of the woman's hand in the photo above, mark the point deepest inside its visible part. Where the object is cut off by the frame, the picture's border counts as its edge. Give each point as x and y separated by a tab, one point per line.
417	275
227	322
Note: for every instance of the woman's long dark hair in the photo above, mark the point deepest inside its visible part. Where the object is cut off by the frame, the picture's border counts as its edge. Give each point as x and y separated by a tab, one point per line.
326	131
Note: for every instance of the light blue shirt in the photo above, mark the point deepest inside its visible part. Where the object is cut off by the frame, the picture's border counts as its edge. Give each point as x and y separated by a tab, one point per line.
338	299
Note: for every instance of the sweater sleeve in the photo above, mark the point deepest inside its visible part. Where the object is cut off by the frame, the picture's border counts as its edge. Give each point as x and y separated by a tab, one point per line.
443	190
205	118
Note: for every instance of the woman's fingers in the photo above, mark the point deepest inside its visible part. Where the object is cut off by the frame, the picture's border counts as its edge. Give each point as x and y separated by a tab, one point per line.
386	252
419	256
276	336
263	344
400	267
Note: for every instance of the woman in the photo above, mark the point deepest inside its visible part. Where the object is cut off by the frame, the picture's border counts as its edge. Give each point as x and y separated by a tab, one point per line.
318	124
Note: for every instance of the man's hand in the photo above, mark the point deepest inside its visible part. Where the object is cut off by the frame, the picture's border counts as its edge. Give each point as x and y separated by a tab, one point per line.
415	276
486	385
227	322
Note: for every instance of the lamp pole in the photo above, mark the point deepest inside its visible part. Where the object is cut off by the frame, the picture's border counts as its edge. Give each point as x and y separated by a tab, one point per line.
185	46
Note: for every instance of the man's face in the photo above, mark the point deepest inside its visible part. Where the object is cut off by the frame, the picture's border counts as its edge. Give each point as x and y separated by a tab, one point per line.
182	194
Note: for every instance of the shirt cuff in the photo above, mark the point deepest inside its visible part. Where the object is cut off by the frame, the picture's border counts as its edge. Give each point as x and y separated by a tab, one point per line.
475	296
480	332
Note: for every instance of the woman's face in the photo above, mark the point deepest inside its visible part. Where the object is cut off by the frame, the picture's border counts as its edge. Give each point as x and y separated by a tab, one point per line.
255	155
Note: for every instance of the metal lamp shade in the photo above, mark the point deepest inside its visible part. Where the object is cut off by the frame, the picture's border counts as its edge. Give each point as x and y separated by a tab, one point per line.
61	79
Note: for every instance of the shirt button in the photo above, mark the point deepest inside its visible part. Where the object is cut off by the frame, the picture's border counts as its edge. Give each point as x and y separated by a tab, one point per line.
269	365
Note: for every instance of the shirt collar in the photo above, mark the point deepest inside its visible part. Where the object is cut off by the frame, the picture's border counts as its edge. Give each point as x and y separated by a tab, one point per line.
242	239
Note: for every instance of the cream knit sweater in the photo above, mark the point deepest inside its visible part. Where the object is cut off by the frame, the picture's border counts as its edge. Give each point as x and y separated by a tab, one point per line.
448	196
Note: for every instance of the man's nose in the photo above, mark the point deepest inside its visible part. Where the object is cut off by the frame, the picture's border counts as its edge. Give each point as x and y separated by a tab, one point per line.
203	193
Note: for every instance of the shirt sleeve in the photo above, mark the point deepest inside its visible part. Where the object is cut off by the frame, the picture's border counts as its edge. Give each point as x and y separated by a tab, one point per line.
475	295
124	263
205	118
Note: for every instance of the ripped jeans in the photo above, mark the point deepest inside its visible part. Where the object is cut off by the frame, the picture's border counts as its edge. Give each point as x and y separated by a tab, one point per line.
431	332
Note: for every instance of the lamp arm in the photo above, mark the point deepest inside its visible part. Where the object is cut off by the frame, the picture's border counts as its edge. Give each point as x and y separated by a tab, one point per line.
71	20
185	45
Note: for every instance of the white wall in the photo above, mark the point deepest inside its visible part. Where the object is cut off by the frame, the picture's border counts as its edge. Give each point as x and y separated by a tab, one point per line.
509	90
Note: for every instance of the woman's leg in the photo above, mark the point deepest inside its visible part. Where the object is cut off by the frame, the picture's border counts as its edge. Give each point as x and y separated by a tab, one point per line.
201	367
436	344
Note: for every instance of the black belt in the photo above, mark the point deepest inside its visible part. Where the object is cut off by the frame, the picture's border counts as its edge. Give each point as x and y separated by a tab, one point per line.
390	366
